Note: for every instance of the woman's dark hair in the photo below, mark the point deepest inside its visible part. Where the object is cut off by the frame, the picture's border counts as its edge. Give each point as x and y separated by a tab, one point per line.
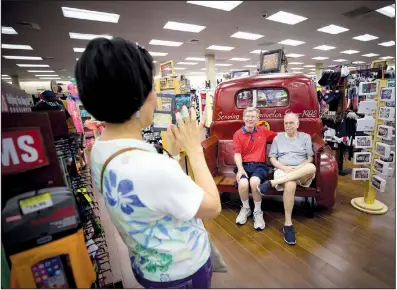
114	78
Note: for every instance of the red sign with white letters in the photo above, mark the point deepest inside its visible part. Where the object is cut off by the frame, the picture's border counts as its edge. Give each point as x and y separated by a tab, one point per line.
22	150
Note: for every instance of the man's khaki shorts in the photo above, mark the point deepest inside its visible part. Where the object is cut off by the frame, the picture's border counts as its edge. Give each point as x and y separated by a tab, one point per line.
280	187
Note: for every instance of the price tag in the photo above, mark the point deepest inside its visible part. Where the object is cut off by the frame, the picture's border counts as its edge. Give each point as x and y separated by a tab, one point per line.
36	203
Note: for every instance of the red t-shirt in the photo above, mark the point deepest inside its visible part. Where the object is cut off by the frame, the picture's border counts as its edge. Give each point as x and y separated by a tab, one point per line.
252	146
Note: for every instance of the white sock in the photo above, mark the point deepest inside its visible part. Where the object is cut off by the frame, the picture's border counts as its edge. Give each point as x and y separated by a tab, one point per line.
246	203
257	206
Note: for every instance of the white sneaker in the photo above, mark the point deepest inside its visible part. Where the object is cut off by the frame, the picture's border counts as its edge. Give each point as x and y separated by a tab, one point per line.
259	222
243	215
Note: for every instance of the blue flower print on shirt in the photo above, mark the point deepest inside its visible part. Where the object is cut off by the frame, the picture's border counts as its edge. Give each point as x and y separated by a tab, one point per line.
121	193
154	233
197	233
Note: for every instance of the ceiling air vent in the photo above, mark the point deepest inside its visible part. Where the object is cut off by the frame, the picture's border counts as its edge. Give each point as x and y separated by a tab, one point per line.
48	57
28	25
194	41
357	12
266	43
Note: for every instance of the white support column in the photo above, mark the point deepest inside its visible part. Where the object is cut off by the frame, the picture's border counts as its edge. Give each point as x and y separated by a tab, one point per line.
319	71
210	69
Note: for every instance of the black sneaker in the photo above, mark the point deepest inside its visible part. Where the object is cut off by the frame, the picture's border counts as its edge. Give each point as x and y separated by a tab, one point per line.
264	187
289	235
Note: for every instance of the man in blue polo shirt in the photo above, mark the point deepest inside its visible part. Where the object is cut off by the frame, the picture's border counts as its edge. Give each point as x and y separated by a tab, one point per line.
249	145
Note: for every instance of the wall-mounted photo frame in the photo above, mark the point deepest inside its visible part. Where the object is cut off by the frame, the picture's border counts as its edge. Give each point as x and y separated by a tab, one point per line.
366	124
390	159
362	158
360	174
381	166
382	149
368	88
378	183
385	132
386	113
362	142
367	107
388	94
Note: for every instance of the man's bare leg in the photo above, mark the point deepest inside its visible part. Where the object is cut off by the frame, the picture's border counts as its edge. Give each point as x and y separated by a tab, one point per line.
289	199
243	189
259	223
303	171
245	212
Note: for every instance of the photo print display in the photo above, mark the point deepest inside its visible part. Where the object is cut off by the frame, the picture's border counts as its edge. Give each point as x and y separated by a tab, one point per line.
368	88
362	142
381	166
360	174
382	149
390	159
366	124
385	132
362	158
386	113
367	107
378	183
388	94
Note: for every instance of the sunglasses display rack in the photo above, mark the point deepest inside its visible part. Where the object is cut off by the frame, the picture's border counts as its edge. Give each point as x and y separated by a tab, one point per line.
78	177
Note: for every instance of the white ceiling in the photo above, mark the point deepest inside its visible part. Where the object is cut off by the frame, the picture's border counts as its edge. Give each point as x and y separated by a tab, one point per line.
141	21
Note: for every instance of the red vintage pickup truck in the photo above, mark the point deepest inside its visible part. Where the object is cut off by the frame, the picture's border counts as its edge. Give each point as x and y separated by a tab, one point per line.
274	95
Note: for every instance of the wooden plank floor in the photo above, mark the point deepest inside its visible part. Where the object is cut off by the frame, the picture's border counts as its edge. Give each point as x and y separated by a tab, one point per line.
339	248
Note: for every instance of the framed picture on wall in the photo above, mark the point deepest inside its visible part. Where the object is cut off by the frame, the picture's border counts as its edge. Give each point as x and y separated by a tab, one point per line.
386	113
360	174
362	158
388	94
385	132
368	88
362	142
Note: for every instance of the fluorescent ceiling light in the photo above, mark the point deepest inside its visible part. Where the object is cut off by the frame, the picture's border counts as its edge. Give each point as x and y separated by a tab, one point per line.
389	11
320	57
258	51
165	42
312	69
340	60
309	65
239	59
155	61
370	54
350	51
247	35
222	64
220	47
179	68
221	5
291	42
358	62
41	71
22	57
324	47
183	27
5	78
16	46
333	29
286	18
365	37
47	78
78	49
294	55
196	58
250	65
187	63
90	15
74	35
388	43
296	68
47	75
33	65
206	69
152	53
386	57
295	63
4	75
8	30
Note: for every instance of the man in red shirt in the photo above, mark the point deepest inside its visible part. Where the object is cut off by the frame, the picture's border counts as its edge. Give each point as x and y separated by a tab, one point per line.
249	145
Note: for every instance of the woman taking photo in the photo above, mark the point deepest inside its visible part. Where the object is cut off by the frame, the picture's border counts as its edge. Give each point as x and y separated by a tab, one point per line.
155	206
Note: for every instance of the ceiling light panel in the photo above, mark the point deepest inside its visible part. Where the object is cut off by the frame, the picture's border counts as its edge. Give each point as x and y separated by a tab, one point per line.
247	35
370	54
312	69
258	51
358	62
5	78
78	49
8	30
90	15
187	63
250	65
22	57
239	59
4	75
152	53
295	63
222	64
388	43
50	78
33	65
291	42
220	47
389	11
179	26
41	71
324	47
365	37
165	43
16	46
84	36
387	57
294	55
196	58
179	68
333	29
47	75
296	68
340	60
286	18
320	58
351	51
221	5
309	65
